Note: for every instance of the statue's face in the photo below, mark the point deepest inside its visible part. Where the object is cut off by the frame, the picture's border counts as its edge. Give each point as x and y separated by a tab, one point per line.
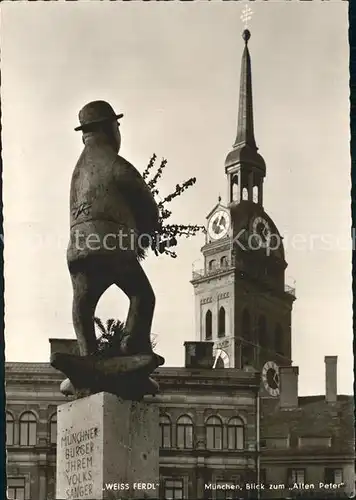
117	135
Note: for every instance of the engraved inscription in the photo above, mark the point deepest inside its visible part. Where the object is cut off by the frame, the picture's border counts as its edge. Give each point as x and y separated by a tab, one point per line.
78	452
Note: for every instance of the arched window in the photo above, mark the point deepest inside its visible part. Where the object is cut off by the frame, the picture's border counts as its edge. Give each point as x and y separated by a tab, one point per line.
208	325
223	261
28	429
246	325
166	431
235	434
53	429
255	194
262	331
244	194
10	429
221	322
212	265
184	432
278	340
214	433
235	188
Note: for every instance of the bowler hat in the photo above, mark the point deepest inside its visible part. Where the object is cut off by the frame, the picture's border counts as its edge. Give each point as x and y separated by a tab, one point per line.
96	112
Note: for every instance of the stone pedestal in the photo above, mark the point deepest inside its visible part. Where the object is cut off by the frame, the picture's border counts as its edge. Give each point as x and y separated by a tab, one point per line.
107	449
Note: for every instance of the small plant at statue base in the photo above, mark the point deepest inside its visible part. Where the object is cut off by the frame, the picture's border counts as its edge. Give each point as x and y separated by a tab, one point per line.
168	232
111	335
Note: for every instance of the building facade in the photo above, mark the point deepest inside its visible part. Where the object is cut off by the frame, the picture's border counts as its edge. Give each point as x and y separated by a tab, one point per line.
207	429
216	431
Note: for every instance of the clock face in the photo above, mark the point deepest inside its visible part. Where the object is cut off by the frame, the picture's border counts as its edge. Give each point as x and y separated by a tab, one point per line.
270	378
221	359
262	230
219	225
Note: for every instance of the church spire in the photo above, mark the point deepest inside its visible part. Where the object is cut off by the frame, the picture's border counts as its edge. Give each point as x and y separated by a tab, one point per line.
244	166
245	133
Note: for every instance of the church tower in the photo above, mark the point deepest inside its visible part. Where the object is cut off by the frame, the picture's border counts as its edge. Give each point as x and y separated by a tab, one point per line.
242	302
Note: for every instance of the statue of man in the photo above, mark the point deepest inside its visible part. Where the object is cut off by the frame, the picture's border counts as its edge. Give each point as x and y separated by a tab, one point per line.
110	207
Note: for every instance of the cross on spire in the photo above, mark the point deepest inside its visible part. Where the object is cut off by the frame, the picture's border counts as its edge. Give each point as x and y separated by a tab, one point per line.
246	15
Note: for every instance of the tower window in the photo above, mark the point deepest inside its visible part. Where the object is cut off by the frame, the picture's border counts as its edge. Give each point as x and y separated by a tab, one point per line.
245	194
278	340
221	322
208	325
260	192
262	331
255	194
235	188
212	265
223	261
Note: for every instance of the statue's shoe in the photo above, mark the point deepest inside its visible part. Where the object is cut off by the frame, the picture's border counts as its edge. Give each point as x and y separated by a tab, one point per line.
67	388
121	375
122	365
115	365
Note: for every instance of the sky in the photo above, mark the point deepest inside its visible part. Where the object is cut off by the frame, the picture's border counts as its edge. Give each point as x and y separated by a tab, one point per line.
173	69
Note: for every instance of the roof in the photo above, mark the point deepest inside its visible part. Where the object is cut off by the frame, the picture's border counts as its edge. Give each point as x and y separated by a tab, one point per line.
314	417
168	377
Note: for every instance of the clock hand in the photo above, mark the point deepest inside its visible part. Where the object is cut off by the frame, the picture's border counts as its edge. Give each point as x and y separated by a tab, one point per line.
218	354
220	221
217	226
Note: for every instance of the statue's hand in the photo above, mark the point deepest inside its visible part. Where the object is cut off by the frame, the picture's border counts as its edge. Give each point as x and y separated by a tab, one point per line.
142	201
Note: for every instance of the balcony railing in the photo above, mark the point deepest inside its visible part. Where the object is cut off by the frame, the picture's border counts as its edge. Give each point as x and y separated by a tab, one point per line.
218	269
204	273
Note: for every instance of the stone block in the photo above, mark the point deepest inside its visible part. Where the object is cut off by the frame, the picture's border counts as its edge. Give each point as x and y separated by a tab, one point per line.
107	449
